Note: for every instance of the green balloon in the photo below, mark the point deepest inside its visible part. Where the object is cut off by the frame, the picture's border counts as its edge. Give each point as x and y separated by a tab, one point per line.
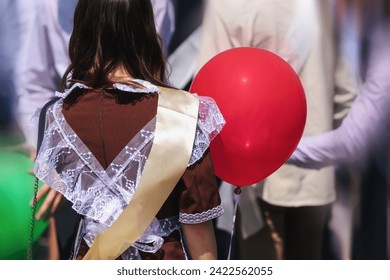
16	192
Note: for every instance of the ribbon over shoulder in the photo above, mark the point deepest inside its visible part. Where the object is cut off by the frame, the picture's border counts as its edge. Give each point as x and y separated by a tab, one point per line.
176	123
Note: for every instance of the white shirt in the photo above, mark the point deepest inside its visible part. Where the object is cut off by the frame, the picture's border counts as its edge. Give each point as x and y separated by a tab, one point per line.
14	21
44	56
302	33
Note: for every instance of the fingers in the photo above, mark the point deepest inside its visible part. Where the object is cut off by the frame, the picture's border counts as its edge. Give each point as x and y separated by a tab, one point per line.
47	203
50	204
53	252
32	153
43	191
54	207
29	150
56	203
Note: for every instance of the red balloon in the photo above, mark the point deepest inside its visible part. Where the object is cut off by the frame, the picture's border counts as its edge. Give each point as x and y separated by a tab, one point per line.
264	105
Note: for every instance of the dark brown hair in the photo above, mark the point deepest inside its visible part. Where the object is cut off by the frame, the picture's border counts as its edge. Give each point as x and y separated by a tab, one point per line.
113	34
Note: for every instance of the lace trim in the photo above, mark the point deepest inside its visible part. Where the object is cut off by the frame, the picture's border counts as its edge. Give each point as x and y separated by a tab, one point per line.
210	124
198	218
147	88
66	92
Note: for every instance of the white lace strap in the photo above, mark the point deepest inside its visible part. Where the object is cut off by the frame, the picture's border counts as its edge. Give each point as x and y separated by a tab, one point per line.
66	92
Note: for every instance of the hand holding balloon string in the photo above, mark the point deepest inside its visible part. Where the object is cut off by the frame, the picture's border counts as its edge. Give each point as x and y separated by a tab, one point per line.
51	203
52	198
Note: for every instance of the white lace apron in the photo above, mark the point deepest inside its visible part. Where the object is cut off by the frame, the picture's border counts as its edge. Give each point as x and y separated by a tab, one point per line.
99	196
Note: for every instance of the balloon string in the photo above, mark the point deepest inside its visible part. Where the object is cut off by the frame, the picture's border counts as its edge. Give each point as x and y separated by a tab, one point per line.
237	192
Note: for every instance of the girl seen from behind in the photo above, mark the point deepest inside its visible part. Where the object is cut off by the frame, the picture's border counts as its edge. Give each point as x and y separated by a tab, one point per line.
129	152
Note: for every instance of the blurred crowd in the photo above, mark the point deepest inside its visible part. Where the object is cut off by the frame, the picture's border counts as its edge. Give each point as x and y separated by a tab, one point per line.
331	200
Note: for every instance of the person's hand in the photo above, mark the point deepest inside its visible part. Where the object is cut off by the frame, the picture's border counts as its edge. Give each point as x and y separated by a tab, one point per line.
50	204
53	199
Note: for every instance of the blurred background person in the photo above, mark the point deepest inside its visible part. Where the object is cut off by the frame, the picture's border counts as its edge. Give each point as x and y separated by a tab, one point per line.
14	19
6	56
295	202
362	141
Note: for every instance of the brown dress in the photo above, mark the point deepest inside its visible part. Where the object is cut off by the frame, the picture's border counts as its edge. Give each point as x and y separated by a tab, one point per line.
106	121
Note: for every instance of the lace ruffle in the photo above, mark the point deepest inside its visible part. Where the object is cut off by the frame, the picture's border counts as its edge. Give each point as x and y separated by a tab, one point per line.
147	88
198	218
210	124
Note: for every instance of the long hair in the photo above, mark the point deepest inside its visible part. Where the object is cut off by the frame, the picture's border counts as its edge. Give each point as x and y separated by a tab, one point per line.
110	35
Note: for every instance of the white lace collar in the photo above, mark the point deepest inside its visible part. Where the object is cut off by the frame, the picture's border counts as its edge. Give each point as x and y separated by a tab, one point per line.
147	88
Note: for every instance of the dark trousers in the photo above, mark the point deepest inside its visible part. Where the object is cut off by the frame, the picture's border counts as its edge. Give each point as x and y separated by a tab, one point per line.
67	221
294	233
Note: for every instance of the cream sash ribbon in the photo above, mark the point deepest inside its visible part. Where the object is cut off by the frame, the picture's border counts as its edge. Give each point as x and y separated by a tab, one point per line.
176	122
